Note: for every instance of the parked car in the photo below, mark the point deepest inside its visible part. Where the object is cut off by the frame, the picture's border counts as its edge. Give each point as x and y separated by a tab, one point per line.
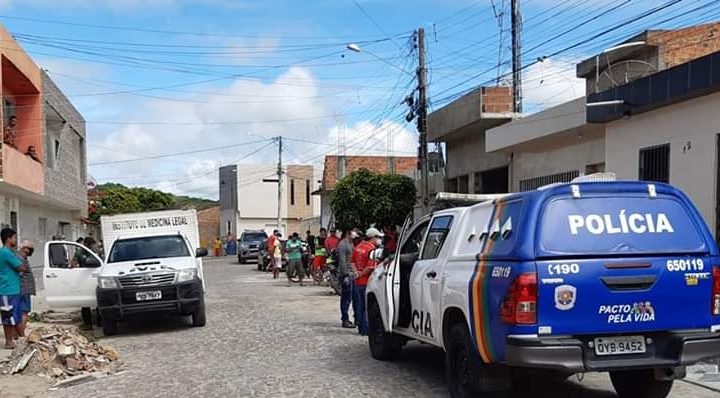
617	277
249	245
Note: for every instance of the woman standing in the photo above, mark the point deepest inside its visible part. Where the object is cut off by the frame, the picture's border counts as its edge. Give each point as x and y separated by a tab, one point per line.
27	281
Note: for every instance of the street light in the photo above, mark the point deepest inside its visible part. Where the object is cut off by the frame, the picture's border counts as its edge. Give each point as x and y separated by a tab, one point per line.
354	47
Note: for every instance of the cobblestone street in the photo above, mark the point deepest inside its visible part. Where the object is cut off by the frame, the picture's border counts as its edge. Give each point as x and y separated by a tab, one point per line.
265	339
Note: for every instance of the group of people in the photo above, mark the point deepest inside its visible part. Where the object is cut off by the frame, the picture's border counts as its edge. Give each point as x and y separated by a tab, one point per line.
350	252
355	265
17	284
10	133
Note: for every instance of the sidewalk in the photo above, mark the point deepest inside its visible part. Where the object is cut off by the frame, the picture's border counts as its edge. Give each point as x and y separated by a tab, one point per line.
706	375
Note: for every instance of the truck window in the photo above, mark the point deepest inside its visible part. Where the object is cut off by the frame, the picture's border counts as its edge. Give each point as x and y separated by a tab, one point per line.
439	229
148	247
414	240
70	256
603	225
253	237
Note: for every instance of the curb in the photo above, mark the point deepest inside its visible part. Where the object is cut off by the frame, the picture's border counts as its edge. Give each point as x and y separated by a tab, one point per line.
698	384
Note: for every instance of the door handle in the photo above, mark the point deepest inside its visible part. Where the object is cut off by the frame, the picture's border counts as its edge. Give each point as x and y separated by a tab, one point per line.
49	276
431	274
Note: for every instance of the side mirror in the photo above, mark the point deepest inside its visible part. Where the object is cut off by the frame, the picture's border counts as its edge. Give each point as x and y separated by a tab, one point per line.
92	262
201	252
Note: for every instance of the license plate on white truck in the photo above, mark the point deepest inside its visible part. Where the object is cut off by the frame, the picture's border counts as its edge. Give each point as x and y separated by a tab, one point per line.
622	345
146	296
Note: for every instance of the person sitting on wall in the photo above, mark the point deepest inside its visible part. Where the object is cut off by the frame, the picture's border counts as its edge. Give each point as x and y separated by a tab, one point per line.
32	153
10	132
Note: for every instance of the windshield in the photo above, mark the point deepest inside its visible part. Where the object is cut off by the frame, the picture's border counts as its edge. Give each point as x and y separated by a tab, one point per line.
616	225
148	247
253	237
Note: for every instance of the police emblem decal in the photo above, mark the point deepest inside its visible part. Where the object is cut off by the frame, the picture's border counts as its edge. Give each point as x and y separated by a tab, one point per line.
565	297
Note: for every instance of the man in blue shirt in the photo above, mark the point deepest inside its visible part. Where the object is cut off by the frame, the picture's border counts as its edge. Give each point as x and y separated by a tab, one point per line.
10	268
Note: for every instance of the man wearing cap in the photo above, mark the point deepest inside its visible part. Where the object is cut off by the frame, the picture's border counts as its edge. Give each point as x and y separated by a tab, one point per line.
363	267
27	281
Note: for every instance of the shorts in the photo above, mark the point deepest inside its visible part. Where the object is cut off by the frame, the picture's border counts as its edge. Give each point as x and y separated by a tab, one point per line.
277	262
25	303
295	268
10	310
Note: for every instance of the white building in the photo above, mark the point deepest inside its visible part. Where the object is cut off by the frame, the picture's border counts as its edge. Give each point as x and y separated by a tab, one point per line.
249	203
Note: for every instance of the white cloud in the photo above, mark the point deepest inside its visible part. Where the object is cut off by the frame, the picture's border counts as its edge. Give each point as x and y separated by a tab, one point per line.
294	105
550	83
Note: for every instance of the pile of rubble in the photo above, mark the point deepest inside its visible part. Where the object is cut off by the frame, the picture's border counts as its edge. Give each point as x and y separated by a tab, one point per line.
61	354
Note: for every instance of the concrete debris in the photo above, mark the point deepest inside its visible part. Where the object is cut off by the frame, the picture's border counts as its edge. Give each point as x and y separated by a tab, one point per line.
23	362
61	353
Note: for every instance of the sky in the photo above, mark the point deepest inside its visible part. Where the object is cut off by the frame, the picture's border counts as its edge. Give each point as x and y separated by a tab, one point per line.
173	89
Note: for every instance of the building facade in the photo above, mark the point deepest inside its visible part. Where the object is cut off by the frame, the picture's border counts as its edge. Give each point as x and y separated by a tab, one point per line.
43	171
249	203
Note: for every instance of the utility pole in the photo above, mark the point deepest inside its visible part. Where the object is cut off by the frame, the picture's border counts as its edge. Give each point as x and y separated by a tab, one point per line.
422	123
516	55
279	184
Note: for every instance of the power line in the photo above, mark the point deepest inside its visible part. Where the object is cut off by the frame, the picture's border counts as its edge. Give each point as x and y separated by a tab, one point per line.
377	25
144	30
169	155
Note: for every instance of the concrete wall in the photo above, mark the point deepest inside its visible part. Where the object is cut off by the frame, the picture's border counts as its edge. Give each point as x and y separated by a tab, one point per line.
33	218
466	155
258	199
66	169
300	206
561	156
691	129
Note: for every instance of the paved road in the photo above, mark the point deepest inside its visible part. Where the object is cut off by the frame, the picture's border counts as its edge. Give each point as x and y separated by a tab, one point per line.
265	339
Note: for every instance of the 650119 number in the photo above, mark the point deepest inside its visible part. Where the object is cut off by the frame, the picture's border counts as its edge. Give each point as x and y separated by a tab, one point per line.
695	264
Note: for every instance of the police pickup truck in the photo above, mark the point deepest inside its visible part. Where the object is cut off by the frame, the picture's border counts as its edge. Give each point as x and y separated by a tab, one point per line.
618	277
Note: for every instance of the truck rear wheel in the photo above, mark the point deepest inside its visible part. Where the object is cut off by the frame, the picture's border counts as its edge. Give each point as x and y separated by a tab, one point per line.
384	346
109	327
467	376
198	317
640	384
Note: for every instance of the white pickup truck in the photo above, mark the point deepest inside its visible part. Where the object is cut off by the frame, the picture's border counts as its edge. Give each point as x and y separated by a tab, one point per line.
153	264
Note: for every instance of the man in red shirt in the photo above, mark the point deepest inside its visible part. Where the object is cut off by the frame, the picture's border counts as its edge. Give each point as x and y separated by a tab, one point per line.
332	241
363	266
271	248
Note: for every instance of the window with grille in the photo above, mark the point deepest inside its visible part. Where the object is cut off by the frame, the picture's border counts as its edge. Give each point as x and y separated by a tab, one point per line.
42	227
655	164
537	182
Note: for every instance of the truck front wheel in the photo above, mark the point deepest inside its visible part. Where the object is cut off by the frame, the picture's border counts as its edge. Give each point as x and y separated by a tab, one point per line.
640	384
198	317
383	345
109	327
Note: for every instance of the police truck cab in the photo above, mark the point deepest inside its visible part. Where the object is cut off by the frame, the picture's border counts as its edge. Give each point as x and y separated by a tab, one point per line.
618	277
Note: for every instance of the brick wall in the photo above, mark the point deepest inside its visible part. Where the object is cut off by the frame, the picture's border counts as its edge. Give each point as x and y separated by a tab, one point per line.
209	225
497	99
684	45
66	173
377	164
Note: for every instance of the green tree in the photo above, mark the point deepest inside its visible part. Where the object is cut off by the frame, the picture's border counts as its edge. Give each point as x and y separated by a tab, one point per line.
110	199
364	198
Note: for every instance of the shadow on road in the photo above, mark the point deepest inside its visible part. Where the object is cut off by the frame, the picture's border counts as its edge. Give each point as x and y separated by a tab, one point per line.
153	323
422	361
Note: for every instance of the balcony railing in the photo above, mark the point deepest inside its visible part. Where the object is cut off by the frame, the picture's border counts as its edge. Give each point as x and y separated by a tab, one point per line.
21	170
